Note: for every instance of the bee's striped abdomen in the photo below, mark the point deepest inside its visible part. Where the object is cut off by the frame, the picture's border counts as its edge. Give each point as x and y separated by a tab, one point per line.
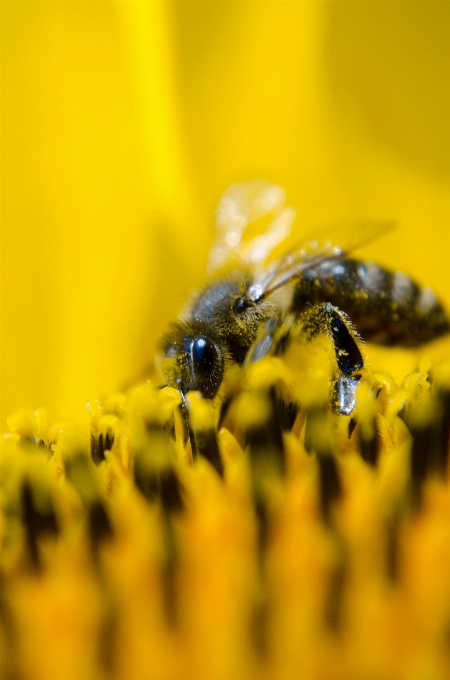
385	307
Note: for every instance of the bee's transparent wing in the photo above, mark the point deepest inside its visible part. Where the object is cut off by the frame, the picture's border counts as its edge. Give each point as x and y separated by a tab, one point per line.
241	206
349	235
318	248
248	204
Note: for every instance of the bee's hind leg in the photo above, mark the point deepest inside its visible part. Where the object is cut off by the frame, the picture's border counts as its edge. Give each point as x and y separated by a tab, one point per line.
346	343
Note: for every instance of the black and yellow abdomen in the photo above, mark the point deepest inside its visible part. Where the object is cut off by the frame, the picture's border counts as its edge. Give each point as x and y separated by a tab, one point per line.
385	307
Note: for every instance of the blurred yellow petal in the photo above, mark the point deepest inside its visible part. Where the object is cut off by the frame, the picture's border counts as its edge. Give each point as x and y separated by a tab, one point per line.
97	205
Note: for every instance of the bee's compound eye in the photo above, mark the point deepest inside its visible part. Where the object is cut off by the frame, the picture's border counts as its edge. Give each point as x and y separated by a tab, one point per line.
207	366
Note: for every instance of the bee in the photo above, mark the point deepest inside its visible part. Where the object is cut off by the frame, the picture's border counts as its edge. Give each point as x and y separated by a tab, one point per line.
252	309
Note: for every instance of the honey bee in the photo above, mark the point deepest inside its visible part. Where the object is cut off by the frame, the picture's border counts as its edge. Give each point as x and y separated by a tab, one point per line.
252	309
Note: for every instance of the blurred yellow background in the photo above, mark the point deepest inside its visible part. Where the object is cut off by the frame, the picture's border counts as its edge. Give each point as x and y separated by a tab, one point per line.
123	122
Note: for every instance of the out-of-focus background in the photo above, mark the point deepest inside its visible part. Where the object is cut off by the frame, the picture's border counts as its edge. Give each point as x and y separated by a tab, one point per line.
123	122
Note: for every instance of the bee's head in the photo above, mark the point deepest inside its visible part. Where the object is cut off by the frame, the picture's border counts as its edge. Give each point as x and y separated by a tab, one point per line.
193	361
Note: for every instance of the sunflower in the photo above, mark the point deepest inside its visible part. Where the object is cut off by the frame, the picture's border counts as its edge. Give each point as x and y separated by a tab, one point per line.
314	554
